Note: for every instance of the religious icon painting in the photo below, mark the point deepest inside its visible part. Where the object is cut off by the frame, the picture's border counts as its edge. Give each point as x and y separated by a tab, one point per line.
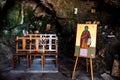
85	45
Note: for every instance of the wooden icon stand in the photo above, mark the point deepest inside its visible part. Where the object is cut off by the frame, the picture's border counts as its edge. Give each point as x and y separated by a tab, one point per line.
91	67
89	31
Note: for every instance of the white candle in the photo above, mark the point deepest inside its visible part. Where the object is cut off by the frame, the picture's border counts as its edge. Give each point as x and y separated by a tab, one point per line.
75	10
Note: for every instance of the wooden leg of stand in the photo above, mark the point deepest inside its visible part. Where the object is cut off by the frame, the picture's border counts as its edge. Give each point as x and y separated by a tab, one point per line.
74	68
42	63
91	69
27	63
56	61
30	59
87	64
17	59
43	60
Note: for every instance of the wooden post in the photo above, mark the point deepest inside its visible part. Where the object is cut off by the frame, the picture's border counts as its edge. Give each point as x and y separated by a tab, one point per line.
36	44
91	67
74	68
24	43
27	61
16	44
42	61
87	64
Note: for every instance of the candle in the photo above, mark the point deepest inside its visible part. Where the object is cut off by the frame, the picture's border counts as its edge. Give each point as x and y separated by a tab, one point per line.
75	10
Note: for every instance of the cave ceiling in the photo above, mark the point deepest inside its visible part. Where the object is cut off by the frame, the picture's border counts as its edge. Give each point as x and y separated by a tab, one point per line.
61	8
4	4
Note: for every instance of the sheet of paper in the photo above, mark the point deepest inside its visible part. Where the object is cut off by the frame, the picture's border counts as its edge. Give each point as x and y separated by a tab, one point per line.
83	52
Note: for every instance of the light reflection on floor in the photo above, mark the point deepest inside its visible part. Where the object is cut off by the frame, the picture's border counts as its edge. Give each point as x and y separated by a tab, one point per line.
36	67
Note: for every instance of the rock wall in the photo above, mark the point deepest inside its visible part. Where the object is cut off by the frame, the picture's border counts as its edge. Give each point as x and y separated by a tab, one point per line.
65	8
5	54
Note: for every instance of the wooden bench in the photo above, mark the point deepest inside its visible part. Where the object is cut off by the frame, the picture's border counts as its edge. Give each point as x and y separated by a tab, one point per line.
35	45
51	47
22	50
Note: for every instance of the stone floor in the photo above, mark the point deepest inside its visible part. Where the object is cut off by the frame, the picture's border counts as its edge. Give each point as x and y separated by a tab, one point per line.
50	72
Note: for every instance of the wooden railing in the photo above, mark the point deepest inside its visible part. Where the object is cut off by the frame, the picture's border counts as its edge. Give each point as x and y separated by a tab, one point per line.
35	45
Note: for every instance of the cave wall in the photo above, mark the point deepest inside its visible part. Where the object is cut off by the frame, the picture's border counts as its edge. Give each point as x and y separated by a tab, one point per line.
65	8
60	13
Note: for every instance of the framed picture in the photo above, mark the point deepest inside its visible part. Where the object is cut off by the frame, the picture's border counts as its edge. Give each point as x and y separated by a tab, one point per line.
85	45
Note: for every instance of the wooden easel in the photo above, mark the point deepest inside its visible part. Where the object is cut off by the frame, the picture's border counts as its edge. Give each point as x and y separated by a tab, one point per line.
91	67
91	51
